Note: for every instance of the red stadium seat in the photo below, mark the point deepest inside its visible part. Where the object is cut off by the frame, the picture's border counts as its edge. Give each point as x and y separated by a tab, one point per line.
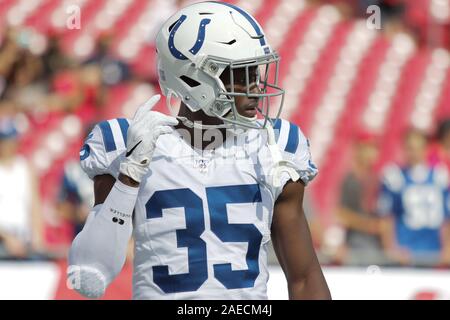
336	159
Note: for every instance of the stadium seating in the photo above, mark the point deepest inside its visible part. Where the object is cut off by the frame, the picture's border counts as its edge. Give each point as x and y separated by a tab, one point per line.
339	76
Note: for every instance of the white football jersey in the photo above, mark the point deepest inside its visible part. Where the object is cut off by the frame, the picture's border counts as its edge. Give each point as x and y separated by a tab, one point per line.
202	218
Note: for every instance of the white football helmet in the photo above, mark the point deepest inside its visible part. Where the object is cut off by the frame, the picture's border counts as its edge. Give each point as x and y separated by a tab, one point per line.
198	43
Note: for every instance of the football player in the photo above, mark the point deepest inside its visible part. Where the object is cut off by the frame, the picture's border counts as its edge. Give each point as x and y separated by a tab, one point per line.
414	206
203	191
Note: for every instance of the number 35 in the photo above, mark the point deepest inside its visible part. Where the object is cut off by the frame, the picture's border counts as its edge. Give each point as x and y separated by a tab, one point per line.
218	198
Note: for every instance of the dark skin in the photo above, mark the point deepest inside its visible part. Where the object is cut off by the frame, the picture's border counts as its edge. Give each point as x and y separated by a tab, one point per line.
294	248
290	232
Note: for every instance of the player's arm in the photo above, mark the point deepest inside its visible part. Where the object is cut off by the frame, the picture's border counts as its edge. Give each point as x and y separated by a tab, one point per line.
389	242
445	239
445	229
387	225
98	253
293	246
387	232
14	246
352	220
37	220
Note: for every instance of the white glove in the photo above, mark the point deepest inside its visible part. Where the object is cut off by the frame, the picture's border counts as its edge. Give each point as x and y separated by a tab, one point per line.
143	132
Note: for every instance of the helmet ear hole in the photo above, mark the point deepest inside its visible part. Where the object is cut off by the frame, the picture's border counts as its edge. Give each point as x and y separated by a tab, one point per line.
189	81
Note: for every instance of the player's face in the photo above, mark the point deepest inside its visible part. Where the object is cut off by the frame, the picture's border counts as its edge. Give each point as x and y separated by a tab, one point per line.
8	147
245	106
366	154
415	147
446	140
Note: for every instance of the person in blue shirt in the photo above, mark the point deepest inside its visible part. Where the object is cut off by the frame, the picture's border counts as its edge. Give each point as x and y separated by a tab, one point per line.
414	204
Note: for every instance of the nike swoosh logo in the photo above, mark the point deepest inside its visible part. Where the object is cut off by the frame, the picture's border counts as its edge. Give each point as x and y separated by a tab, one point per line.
132	149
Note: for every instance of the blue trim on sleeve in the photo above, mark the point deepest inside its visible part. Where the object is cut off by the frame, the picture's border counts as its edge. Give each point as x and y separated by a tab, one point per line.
277	128
123	123
312	165
292	143
85	152
108	138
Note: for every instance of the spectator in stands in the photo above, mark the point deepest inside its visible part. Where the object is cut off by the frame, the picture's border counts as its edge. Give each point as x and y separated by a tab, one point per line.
26	68
53	59
8	57
356	211
76	195
21	71
414	206
78	90
21	223
112	70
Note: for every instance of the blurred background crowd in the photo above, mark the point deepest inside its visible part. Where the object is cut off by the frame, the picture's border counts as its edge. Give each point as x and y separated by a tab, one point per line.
375	104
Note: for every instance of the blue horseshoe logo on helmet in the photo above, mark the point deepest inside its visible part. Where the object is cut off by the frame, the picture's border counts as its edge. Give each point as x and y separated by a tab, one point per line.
198	43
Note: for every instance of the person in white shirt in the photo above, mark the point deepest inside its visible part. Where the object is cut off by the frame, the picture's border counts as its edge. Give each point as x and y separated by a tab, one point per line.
21	223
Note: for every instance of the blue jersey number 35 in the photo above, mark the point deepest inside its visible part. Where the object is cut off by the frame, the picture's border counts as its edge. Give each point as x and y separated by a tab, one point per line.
218	198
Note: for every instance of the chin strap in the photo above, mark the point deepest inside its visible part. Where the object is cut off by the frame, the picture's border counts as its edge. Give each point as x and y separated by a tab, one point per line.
197	125
230	124
188	123
279	165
